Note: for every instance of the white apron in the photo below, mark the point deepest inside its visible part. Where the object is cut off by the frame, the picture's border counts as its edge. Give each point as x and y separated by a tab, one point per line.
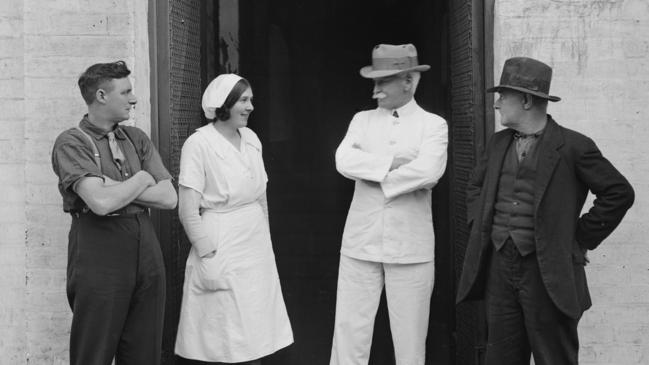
232	309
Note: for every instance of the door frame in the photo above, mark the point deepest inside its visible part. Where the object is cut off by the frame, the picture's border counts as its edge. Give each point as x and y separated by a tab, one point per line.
471	125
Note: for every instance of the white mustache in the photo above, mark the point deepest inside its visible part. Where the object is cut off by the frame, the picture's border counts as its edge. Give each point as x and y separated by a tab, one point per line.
380	95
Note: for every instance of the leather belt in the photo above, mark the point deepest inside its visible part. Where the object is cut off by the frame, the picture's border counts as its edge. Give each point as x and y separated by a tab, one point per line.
129	210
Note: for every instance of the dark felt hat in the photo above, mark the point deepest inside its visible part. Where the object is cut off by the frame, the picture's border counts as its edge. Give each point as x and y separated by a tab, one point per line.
526	75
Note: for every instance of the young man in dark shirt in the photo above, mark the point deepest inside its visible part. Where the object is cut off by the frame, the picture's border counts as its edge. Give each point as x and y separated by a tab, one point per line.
109	177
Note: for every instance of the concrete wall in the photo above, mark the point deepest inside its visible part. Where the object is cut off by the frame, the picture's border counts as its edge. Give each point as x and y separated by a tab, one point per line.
599	50
12	179
44	46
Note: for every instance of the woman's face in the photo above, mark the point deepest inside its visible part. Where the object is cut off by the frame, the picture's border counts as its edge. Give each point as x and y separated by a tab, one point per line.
241	110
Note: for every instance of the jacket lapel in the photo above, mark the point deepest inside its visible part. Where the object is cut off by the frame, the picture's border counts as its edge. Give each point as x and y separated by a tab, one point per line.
495	164
548	158
500	150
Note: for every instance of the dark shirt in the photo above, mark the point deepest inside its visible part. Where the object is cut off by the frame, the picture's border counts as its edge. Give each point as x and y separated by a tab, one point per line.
73	158
526	143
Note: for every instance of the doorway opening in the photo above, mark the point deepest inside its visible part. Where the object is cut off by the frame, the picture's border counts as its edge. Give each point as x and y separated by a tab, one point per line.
303	59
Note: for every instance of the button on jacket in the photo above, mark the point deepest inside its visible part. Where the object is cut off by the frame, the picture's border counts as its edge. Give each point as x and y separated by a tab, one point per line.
390	217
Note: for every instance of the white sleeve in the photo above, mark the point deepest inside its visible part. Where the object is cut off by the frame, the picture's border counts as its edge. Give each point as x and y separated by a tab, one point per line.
192	167
188	213
192	184
424	171
356	164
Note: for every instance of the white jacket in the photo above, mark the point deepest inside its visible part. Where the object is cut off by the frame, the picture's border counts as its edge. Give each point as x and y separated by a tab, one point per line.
390	218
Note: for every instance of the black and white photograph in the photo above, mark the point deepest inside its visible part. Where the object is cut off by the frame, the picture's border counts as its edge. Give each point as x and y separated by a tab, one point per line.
324	182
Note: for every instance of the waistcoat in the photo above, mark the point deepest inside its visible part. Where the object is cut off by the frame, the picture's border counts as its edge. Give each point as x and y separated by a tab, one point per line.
514	208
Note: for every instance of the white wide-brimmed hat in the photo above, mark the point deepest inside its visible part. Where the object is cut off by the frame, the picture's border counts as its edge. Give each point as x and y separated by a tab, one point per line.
216	93
388	60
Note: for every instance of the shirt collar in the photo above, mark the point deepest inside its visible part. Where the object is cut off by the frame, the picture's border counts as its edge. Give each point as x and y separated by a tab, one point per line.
97	132
405	110
518	135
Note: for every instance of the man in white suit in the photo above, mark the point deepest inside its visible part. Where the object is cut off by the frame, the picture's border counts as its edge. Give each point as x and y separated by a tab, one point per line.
395	154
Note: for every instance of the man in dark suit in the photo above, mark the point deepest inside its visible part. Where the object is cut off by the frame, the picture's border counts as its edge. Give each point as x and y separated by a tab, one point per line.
527	248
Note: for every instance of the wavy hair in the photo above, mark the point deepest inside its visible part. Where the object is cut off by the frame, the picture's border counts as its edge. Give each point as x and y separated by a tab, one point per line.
223	113
97	75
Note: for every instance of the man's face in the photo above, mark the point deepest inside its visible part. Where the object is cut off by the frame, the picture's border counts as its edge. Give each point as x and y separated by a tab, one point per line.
510	106
119	99
392	92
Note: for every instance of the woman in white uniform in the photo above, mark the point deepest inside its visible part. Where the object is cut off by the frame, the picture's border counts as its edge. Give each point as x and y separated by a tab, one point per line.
232	308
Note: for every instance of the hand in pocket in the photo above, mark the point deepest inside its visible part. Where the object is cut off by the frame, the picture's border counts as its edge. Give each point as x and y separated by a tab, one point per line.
212	273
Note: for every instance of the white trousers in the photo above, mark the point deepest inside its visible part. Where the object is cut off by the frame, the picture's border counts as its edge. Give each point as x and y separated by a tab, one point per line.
408	288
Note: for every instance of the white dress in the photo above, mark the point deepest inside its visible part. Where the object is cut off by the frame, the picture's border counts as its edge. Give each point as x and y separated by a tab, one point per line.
232	308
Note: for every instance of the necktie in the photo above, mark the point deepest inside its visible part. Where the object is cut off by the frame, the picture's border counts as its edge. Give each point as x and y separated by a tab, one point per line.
395	114
118	155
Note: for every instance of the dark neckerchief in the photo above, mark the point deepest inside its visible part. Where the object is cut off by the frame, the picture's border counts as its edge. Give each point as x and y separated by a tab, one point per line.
519	135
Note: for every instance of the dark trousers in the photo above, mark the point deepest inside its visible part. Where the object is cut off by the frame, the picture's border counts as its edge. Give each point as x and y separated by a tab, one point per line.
116	289
522	318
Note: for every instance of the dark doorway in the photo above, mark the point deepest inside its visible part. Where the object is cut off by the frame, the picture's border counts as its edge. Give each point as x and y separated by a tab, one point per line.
302	59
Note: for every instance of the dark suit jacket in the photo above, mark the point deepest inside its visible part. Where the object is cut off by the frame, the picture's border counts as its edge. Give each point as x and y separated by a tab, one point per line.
569	165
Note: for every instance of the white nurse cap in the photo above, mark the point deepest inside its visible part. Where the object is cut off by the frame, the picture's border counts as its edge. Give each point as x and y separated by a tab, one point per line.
216	93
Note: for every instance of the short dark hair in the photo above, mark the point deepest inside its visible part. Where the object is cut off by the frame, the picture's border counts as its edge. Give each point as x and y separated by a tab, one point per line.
537	101
542	102
223	113
93	78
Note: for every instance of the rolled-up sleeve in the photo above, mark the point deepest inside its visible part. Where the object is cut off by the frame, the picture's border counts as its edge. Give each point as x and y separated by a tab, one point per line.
355	163
426	169
72	160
